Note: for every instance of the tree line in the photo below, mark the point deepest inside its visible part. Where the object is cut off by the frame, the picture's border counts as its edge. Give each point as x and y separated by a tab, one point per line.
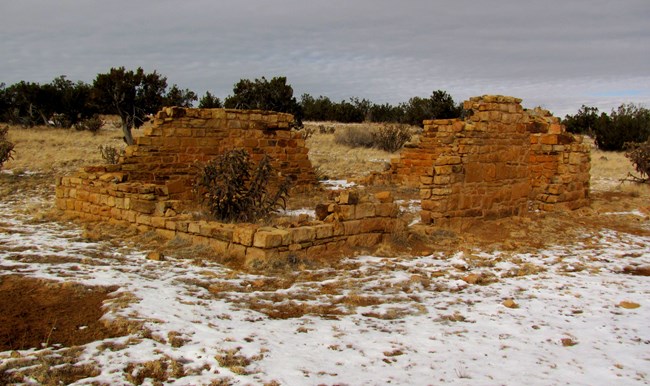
627	124
135	94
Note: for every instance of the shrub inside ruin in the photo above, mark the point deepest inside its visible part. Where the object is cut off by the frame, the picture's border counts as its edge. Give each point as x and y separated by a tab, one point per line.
236	189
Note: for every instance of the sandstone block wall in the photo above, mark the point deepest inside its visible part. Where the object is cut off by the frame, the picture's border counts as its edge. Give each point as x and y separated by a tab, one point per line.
96	195
151	186
559	165
499	161
481	164
179	139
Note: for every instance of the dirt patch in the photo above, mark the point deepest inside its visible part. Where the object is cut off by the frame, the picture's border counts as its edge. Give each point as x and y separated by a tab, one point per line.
37	313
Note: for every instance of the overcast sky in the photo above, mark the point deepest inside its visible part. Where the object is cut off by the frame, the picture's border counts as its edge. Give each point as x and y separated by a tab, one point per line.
559	54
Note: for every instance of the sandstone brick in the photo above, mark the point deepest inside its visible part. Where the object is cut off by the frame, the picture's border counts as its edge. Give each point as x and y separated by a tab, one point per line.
363	210
384	196
324	231
244	233
302	234
270	237
348	197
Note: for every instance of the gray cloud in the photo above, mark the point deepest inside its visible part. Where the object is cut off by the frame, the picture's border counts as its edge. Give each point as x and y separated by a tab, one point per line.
557	53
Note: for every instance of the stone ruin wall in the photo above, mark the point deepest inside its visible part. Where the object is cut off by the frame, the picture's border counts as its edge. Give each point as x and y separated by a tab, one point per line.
500	161
179	139
151	186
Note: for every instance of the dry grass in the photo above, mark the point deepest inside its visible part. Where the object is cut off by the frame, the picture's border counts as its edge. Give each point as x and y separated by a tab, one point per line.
336	161
51	150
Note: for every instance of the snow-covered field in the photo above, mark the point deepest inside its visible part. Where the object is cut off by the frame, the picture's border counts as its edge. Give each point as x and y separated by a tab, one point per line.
563	315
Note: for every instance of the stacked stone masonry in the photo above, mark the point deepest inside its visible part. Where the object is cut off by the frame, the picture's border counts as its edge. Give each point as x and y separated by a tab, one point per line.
151	185
501	160
179	139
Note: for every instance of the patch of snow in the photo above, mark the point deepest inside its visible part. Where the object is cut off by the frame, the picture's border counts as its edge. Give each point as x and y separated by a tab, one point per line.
630	213
297	212
415	321
337	184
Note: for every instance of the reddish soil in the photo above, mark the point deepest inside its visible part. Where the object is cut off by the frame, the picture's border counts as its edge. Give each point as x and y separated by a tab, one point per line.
38	312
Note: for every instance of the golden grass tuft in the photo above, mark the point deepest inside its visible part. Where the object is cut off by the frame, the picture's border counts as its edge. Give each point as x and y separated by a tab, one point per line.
53	150
336	161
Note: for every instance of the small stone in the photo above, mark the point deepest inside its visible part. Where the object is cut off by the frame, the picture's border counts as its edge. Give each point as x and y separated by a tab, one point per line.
348	197
568	342
510	303
628	305
155	256
472	278
385	196
322	211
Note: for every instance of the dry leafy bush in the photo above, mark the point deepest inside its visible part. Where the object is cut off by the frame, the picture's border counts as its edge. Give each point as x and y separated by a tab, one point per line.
235	189
307	132
391	137
355	137
110	154
639	154
92	124
6	147
322	129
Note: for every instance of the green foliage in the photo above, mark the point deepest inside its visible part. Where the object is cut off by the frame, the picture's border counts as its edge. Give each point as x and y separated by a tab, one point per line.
386	113
440	105
261	94
209	101
110	154
92	124
6	147
583	122
235	189
181	98
629	123
131	95
639	154
74	100
61	103
354	137
31	103
391	137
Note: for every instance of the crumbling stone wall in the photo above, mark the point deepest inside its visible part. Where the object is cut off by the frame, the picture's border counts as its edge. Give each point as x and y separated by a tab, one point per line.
151	186
559	165
179	139
499	161
481	167
341	225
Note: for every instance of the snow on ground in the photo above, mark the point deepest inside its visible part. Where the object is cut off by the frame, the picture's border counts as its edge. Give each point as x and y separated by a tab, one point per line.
337	184
546	317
